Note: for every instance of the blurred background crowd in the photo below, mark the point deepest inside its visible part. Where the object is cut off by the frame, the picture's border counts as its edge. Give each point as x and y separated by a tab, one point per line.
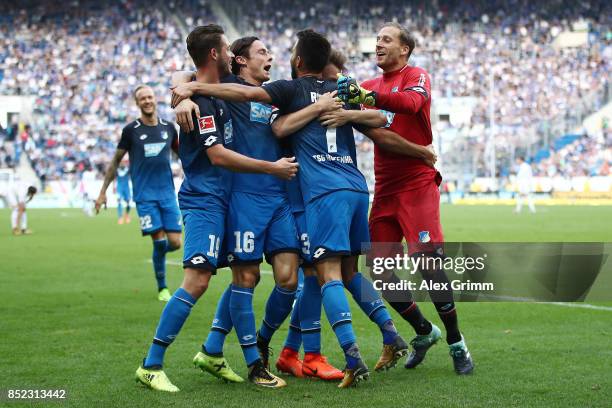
81	60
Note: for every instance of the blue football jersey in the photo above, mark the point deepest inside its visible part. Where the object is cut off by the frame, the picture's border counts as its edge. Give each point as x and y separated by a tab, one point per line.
149	151
202	179
253	137
327	156
123	178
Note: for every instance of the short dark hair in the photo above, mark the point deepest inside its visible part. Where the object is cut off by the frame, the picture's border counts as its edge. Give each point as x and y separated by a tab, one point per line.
240	48
405	37
32	190
203	39
314	49
338	59
138	88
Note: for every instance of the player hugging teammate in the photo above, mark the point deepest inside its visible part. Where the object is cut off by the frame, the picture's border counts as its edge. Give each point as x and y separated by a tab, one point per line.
230	121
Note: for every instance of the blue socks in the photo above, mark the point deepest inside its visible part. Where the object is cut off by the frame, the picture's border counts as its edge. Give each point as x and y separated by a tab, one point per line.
278	308
172	319
241	311
310	315
372	305
221	325
339	316
294	336
119	208
159	262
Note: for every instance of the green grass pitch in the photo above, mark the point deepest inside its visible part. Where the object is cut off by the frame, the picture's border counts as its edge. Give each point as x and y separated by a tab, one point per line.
79	309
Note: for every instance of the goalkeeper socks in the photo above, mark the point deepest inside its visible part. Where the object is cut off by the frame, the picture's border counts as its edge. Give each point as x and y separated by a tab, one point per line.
310	315
443	301
221	325
448	315
372	305
278	308
338	312
172	319
294	336
241	310
407	308
159	262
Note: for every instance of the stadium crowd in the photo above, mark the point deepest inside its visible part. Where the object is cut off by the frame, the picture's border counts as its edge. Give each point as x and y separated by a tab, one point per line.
81	64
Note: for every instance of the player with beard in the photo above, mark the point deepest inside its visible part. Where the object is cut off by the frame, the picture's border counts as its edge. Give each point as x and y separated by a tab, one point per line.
206	157
406	198
335	193
260	221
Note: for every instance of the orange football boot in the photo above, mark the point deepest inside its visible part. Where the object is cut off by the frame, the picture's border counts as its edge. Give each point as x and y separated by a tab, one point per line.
289	362
316	365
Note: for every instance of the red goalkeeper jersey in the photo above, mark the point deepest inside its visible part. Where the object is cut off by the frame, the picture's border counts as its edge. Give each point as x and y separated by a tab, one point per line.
405	96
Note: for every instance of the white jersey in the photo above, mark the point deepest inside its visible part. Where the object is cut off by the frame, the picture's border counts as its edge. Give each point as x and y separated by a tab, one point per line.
17	194
524	178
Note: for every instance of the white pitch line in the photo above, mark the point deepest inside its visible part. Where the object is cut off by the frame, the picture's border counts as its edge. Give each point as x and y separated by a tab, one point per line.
179	263
578	305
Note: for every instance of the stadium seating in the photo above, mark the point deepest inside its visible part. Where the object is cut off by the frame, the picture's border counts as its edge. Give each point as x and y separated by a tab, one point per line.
81	63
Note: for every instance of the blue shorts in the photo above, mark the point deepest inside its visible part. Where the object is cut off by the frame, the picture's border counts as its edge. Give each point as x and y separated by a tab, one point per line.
204	231
257	225
337	224
159	215
125	194
300	223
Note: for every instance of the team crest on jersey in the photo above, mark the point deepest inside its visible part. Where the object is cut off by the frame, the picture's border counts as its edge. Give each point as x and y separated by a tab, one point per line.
424	236
394	89
153	149
206	124
143	137
228	132
260	113
164	135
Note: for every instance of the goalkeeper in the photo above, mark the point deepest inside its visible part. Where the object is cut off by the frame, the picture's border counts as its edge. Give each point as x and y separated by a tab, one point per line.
406	196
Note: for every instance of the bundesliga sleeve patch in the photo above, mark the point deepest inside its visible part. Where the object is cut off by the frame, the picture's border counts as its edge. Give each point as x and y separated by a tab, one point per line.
207	124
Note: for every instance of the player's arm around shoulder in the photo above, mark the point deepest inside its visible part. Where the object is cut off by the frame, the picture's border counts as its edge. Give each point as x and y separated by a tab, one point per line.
228	92
285	125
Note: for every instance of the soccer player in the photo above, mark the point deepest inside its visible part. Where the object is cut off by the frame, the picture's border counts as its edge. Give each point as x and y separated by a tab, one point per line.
260	221
148	141
19	195
124	194
524	181
335	193
361	289
203	198
407	199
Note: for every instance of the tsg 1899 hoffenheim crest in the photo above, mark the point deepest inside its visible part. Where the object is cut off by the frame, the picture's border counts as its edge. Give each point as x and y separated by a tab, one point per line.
164	135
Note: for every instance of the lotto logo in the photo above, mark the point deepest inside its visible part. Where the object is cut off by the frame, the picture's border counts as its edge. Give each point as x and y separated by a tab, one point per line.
198	260
209	142
247	337
318	253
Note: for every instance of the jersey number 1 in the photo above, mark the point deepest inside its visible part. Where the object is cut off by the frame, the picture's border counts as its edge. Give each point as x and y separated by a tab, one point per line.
330	135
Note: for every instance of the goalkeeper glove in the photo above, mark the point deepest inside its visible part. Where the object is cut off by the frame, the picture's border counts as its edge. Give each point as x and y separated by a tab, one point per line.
349	91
